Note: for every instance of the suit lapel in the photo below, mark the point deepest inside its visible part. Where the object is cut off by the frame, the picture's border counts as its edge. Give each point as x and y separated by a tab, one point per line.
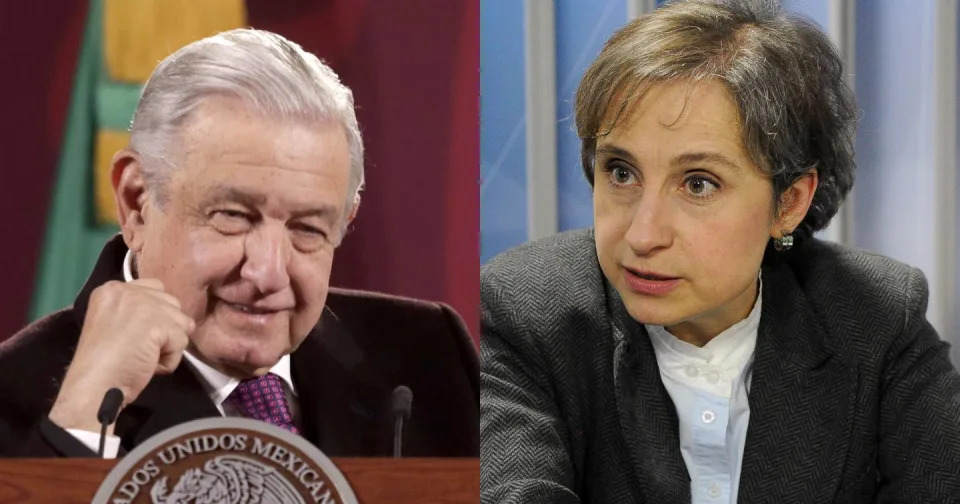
648	418
109	266
168	400
800	397
339	393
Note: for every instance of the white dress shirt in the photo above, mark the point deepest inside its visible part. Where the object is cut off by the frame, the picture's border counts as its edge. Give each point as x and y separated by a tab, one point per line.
709	387
217	385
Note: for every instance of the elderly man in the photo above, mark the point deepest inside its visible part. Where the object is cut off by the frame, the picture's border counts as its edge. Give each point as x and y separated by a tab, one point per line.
243	172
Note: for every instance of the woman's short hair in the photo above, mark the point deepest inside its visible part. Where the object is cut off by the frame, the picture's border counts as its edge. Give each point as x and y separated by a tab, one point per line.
786	78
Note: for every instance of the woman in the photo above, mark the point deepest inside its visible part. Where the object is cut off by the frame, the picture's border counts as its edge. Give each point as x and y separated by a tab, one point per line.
699	344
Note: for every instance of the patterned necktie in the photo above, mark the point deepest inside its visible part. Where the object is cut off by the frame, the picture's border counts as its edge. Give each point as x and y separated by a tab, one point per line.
264	399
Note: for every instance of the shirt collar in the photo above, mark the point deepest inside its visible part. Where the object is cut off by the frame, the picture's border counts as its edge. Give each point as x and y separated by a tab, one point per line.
727	354
218	385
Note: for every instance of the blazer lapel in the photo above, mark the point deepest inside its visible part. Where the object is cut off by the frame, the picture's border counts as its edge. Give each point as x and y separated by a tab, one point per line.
801	397
168	400
648	417
338	393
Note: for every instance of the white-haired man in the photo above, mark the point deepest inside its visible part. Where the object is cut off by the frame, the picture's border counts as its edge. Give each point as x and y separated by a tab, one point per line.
244	169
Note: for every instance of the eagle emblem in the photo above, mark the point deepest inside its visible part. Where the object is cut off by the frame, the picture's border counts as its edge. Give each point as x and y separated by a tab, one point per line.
227	479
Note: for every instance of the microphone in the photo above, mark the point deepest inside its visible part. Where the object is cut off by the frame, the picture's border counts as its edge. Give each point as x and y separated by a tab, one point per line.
109	407
401	400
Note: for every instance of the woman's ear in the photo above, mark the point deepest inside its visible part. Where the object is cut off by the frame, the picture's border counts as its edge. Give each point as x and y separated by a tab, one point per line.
794	204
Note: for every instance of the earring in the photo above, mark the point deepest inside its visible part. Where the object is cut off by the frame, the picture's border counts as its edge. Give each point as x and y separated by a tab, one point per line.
783	243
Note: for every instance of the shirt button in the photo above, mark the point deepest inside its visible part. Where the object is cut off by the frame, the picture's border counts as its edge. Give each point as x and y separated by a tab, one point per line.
708	416
713	377
692	371
714	490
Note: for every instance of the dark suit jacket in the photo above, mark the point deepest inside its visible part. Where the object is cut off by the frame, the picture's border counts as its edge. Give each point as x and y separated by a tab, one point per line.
345	371
853	398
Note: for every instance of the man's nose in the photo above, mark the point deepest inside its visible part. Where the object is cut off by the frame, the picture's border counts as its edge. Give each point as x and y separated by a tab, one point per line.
267	257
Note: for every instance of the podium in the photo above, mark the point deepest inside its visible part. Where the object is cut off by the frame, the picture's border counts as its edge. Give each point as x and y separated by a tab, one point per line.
374	480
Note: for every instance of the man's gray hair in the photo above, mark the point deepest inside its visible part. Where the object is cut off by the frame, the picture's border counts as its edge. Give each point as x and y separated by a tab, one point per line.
270	74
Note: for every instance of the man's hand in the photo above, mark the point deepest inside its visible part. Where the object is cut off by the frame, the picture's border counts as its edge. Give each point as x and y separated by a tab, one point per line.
131	332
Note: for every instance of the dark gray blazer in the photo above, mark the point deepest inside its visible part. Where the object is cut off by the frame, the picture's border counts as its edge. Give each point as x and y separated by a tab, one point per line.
853	398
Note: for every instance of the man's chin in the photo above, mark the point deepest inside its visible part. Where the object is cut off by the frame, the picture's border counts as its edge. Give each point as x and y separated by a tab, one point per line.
240	359
244	370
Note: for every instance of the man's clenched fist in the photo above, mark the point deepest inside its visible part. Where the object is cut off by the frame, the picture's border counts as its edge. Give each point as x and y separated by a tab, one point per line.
131	332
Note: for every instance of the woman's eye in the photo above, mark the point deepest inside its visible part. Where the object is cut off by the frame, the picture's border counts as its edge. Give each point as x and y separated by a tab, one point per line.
621	175
701	187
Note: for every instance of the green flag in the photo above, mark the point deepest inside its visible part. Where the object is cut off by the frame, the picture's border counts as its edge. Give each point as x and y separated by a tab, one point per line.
73	238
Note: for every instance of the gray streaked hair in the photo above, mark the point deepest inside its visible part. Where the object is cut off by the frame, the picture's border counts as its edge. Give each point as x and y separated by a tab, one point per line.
786	78
268	73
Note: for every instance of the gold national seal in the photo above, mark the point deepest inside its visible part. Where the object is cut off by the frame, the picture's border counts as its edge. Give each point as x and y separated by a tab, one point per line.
225	460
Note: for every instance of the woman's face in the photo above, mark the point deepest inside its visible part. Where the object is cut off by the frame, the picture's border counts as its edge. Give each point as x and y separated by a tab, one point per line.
682	216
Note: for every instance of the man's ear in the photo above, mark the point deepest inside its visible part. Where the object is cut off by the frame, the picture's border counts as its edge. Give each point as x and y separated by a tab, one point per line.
345	223
794	204
354	208
131	196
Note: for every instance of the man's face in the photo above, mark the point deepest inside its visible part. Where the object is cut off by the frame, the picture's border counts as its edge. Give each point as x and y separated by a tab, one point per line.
682	215
246	234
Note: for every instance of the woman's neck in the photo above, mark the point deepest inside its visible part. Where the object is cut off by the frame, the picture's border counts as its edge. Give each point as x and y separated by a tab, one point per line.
702	328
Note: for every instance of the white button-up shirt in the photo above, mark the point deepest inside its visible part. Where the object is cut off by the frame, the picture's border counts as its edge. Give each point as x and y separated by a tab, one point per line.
709	387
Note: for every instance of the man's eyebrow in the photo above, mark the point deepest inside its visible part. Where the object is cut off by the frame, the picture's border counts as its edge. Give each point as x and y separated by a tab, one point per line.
224	193
252	199
323	211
